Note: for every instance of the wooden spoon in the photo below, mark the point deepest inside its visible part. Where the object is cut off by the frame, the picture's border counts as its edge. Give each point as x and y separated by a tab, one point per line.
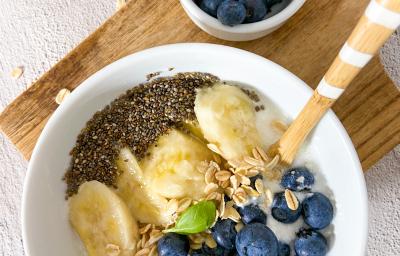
379	21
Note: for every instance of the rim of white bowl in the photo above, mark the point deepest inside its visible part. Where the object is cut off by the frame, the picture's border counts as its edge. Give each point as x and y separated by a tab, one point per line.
68	103
270	22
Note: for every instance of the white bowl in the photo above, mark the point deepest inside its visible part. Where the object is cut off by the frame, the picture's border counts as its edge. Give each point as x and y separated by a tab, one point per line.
242	32
46	231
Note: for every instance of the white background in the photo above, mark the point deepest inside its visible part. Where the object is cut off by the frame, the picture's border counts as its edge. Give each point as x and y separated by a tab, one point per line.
36	34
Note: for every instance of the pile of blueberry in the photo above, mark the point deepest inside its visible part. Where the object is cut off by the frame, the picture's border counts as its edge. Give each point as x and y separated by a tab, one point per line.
255	238
234	12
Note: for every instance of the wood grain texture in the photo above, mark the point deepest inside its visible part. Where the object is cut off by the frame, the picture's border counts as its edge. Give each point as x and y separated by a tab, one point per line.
291	140
306	45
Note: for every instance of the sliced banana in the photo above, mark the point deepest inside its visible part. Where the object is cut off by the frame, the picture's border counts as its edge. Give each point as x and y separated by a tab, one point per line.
227	119
193	127
170	169
144	204
102	221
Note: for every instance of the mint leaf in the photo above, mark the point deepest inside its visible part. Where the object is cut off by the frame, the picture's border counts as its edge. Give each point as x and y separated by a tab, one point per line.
195	219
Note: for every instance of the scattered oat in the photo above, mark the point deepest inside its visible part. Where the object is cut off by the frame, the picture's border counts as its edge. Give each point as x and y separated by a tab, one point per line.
221	208
291	200
154	238
112	250
239	199
268	196
262	154
202	166
172	206
259	186
253	161
234	182
243	179
213	196
145	229
62	95
153	251
224	184
143	252
17	72
250	191
120	4
229	191
183	204
252	173
279	126
273	163
209	177
210	187
223	175
195	246
210	242
239	226
231	213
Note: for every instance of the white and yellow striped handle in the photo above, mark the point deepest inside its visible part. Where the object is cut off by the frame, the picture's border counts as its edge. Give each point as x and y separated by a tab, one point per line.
379	21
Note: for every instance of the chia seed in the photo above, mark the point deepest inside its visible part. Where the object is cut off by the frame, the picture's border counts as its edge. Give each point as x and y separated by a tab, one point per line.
136	119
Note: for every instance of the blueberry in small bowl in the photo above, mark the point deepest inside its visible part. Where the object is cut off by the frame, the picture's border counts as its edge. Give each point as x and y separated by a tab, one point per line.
310	243
317	211
281	211
297	179
231	12
255	10
224	233
256	239
235	22
210	6
172	244
252	213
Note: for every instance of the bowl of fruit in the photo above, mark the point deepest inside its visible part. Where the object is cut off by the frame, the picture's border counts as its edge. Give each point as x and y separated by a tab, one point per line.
240	20
164	153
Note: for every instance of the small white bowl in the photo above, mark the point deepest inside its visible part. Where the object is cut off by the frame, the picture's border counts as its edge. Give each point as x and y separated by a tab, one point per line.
45	226
242	32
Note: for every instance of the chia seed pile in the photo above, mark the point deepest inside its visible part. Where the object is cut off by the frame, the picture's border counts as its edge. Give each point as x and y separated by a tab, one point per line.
136	119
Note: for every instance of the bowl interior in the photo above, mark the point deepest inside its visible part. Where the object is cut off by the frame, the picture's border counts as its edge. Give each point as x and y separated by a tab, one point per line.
46	230
192	9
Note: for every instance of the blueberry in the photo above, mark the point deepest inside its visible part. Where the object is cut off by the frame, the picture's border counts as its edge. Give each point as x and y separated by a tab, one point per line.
231	12
256	239
253	180
173	244
224	233
284	249
210	6
198	252
252	213
280	210
317	211
270	3
255	10
310	243
297	179
217	251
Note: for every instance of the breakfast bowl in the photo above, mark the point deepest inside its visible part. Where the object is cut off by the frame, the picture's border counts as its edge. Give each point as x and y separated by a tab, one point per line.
242	32
45	222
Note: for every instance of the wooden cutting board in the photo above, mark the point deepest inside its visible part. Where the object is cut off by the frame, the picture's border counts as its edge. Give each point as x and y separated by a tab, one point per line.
306	45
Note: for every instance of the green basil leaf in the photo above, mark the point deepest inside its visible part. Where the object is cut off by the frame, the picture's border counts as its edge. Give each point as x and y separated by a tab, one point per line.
195	219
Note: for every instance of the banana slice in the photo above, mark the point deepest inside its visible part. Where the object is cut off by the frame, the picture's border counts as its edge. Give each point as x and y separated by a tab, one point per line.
102	221
227	119
171	167
144	204
194	128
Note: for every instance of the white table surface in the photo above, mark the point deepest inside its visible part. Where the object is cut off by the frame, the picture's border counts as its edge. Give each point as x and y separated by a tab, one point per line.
36	34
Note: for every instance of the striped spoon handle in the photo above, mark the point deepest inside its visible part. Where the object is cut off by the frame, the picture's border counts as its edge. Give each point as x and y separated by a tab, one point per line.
378	22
